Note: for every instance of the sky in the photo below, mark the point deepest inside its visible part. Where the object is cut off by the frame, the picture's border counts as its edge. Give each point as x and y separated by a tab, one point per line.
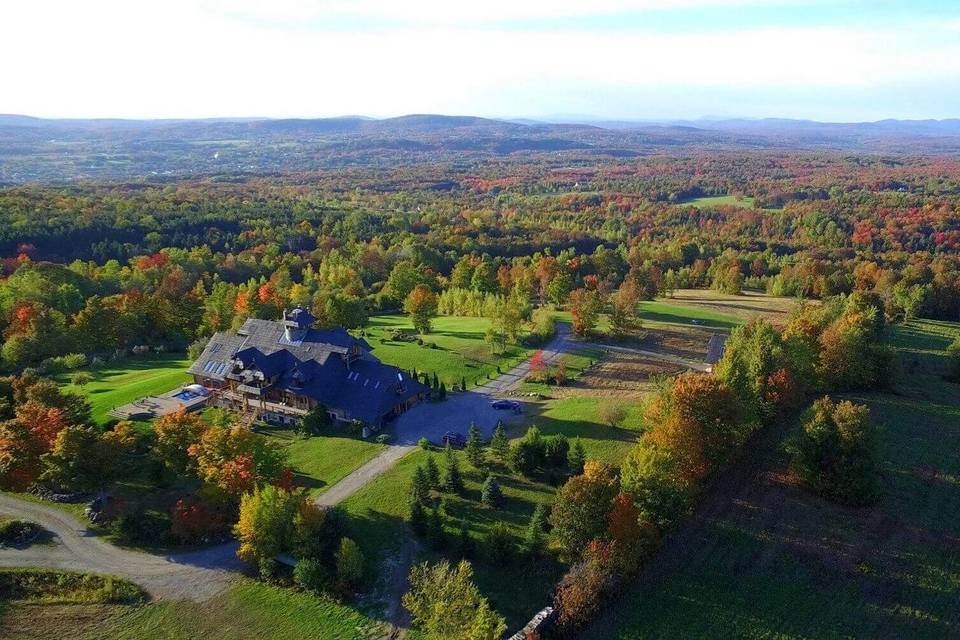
843	60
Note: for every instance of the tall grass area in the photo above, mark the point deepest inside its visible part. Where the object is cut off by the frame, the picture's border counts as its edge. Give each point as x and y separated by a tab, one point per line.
248	611
118	383
455	348
762	558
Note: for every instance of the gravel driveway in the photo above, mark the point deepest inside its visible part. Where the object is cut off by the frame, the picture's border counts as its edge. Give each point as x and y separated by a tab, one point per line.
194	575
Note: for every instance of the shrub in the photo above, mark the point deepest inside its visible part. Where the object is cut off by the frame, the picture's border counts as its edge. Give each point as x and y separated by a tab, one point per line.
499	543
613	413
18	532
834	453
311	574
349	563
67	587
424	444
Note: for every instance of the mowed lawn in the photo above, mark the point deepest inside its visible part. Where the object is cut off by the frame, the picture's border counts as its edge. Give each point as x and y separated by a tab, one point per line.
321	461
455	348
248	611
119	383
763	558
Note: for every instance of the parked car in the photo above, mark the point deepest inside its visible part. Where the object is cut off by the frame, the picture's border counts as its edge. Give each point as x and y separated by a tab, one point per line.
507	405
455	440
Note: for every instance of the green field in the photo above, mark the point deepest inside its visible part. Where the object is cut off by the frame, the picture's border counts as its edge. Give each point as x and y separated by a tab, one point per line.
248	611
659	311
322	461
720	201
579	418
379	510
460	348
769	560
653	313
131	379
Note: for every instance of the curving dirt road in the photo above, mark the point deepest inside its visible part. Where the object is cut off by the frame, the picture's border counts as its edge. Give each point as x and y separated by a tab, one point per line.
193	575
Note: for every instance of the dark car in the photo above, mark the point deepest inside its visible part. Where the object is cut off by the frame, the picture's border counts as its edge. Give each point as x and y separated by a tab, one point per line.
455	440
507	405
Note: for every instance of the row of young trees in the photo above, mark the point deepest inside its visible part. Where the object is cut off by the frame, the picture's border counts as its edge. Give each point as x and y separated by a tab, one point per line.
606	523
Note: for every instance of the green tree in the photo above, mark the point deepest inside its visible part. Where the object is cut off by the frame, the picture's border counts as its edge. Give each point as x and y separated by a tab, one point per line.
265	528
316	422
650	476
499	443
577	457
491	494
420	486
446	605
581	508
835	454
585	306
433	473
534	538
453	479
474	447
81	379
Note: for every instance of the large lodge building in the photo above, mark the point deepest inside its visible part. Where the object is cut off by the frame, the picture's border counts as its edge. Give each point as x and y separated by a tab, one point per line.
280	370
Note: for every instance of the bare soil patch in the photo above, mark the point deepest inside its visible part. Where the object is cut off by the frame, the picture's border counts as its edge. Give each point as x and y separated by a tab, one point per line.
619	374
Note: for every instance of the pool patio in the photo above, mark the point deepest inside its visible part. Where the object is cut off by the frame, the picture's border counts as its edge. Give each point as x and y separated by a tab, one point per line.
187	398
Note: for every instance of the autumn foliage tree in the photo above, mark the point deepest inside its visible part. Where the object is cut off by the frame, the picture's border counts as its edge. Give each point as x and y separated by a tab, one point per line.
581	593
697	420
582	506
421	304
585	307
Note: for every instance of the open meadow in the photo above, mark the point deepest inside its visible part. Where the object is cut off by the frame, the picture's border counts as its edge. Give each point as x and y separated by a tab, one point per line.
762	557
454	349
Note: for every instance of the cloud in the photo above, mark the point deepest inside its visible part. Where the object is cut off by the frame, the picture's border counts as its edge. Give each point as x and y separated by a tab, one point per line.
448	12
183	60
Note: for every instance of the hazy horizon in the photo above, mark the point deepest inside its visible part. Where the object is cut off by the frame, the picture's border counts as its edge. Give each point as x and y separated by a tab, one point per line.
610	60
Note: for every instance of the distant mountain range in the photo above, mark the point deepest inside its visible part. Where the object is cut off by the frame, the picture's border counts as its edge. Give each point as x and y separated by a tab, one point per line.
59	150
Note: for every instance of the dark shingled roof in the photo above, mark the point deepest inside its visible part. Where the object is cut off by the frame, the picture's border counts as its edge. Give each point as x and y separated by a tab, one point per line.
315	366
